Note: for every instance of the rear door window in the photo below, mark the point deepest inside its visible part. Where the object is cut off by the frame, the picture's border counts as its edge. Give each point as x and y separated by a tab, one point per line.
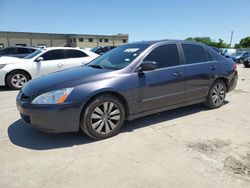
194	53
165	56
74	54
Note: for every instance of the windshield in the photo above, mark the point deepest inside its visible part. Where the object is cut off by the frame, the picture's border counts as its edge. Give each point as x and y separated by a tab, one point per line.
33	54
119	57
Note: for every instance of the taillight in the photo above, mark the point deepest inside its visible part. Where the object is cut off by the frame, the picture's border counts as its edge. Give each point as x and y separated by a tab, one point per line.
235	67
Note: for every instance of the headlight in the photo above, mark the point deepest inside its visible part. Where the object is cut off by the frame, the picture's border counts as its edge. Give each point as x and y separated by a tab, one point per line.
2	66
53	97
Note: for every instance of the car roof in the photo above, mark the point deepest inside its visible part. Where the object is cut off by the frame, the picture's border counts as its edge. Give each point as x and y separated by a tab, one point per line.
167	41
63	48
23	47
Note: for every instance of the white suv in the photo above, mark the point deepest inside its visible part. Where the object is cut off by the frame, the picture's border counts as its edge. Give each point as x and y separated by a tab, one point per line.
16	72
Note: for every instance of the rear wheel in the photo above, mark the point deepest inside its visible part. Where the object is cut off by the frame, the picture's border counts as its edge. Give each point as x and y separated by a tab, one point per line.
17	79
103	117
247	64
216	95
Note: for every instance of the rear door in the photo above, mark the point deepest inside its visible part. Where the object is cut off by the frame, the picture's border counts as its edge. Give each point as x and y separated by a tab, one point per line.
161	87
52	61
74	58
201	68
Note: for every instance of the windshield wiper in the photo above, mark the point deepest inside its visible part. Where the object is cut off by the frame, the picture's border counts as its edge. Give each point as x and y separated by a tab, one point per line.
95	66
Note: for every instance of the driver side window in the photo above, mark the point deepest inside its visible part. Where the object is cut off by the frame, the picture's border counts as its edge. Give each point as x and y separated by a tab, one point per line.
165	56
52	55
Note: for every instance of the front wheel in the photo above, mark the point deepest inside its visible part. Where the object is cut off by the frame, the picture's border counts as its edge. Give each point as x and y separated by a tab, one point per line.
103	117
216	95
17	79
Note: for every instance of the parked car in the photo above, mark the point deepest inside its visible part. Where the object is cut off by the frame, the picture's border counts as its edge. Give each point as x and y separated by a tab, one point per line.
17	51
240	55
16	72
128	82
246	62
227	52
102	49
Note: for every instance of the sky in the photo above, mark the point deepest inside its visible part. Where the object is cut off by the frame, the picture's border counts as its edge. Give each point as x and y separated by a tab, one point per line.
141	19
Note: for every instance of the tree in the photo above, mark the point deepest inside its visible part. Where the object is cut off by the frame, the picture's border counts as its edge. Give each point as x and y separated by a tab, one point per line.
209	42
244	43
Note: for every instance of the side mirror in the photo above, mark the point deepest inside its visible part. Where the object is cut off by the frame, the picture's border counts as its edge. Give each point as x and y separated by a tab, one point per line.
147	66
39	59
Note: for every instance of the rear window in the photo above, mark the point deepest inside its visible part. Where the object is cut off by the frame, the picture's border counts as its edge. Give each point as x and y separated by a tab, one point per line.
194	53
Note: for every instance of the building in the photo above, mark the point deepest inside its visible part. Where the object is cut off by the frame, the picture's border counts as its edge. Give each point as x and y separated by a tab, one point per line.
8	39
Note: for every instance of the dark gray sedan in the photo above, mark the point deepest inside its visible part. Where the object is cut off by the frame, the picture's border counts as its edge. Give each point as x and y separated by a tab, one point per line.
125	83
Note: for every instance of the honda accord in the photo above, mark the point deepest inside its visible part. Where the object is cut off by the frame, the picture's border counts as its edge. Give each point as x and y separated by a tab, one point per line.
128	82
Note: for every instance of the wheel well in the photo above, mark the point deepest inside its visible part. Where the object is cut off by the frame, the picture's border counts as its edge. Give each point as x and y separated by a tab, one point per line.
224	80
115	94
17	70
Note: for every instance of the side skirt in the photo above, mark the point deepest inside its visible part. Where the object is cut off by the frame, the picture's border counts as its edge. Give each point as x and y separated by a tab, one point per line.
154	111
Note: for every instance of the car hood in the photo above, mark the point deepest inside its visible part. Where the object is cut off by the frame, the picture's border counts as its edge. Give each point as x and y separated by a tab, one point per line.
63	79
10	60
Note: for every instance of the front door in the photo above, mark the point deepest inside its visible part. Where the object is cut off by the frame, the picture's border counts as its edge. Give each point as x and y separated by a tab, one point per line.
161	87
52	61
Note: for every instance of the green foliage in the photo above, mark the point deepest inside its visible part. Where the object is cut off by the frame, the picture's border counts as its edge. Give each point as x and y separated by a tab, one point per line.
209	42
244	43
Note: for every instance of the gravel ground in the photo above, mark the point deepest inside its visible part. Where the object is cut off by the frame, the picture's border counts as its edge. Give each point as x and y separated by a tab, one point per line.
187	147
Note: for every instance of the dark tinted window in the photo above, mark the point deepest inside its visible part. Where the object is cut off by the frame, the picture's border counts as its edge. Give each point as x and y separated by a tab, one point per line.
124	40
52	55
7	51
165	56
90	39
194	53
100	40
106	40
23	51
74	54
32	50
210	57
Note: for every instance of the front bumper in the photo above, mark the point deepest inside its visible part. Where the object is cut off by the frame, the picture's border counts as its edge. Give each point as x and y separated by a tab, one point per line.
51	118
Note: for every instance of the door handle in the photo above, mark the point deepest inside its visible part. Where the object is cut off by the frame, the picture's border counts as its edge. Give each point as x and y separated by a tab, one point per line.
177	74
212	67
60	65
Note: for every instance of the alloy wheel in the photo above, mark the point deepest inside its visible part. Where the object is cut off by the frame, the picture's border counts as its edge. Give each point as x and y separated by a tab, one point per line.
18	80
105	117
218	94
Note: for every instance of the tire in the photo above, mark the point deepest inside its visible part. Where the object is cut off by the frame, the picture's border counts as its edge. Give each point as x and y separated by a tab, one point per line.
216	95
247	64
103	117
17	79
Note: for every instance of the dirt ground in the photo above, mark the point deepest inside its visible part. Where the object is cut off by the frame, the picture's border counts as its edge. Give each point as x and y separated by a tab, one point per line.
187	147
